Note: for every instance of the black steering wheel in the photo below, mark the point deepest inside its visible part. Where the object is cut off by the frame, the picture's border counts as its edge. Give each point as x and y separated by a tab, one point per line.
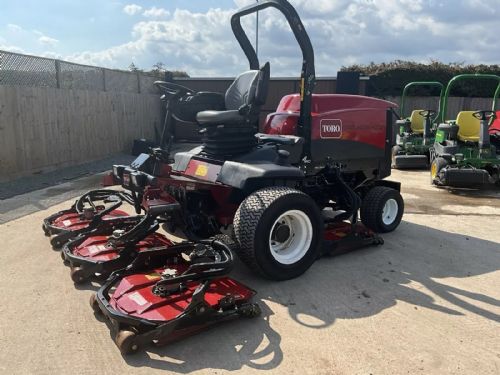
484	115
173	89
427	113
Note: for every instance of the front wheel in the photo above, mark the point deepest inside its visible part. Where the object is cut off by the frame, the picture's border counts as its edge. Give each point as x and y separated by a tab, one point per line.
382	209
437	165
279	231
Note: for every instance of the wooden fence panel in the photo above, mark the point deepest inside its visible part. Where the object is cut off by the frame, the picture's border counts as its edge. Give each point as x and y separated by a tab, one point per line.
45	128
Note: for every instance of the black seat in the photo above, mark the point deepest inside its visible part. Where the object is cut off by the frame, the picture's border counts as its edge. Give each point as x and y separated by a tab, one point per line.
207	118
243	99
231	131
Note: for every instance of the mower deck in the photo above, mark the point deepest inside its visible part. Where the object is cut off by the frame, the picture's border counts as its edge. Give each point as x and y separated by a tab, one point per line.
86	214
344	237
72	221
97	255
410	161
167	294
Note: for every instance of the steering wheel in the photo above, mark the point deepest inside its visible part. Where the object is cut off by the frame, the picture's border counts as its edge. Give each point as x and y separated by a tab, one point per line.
173	89
428	113
484	115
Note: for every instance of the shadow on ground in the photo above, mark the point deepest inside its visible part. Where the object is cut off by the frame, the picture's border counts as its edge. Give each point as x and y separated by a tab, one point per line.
352	286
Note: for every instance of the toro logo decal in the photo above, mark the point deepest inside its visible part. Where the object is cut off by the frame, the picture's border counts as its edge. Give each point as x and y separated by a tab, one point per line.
330	128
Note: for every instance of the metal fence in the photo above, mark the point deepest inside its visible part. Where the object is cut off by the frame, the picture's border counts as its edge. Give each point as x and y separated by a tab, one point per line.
25	70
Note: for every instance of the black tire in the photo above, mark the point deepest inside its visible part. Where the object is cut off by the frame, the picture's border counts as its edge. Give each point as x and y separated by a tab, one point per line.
372	209
395	151
78	275
127	342
254	221
437	165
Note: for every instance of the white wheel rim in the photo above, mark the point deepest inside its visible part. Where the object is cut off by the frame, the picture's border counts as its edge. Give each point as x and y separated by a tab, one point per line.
390	211
299	240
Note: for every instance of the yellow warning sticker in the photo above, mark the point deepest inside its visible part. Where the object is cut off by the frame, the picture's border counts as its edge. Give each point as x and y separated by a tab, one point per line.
201	170
152	276
302	89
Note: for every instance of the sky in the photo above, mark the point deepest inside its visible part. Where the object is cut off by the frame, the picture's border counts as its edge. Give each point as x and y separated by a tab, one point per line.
195	35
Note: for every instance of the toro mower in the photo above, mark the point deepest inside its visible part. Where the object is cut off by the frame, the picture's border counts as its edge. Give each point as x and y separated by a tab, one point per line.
416	132
311	183
463	154
281	193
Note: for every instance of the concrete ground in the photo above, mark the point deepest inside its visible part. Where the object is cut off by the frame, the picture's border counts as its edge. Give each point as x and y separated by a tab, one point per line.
428	301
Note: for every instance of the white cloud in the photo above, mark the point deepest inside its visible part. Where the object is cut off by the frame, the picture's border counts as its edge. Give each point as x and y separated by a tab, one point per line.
48	41
13	27
155	12
8	47
343	32
132	9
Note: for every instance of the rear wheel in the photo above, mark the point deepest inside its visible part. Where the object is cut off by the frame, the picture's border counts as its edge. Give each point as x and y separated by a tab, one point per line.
279	232
57	243
78	275
382	209
127	342
437	165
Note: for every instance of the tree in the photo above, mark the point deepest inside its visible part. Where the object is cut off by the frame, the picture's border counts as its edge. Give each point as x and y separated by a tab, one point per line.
133	68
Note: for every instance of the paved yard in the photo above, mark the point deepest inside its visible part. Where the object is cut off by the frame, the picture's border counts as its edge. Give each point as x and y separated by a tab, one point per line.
428	301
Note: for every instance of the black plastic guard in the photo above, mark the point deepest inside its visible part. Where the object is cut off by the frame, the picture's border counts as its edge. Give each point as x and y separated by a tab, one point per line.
465	177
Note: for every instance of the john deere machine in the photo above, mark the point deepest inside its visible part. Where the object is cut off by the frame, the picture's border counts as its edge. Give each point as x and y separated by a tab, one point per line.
416	130
463	154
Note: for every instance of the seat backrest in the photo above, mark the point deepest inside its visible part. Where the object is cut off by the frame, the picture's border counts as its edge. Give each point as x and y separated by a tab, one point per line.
249	89
417	121
468	126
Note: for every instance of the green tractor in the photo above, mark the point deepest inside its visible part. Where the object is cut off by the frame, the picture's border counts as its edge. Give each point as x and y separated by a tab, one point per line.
463	154
416	130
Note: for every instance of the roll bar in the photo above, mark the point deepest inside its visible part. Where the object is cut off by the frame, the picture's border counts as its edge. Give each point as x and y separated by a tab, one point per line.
423	83
468	76
308	73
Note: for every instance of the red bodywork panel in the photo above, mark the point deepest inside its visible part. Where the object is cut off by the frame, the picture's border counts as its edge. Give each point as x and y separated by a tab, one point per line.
495	126
96	247
334	116
109	179
74	221
134	295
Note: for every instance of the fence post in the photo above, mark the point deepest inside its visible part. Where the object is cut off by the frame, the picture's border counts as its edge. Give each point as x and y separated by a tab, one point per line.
103	79
58	73
138	82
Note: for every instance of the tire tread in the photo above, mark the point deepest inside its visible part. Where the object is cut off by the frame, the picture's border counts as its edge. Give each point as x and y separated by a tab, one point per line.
247	218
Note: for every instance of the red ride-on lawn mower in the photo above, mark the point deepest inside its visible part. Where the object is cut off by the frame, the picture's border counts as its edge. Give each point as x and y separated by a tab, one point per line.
321	160
285	196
